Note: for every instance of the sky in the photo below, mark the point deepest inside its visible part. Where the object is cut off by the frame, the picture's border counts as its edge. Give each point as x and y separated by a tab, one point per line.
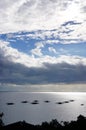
43	45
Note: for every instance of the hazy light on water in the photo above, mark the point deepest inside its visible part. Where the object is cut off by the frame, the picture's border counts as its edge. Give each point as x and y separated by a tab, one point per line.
42	111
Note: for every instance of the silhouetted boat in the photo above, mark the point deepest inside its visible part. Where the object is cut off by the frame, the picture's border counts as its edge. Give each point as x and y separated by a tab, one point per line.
46	101
10	103
24	102
59	103
82	104
66	102
71	100
35	102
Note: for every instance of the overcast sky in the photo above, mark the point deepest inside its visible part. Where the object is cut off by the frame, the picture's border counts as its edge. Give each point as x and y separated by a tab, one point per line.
43	42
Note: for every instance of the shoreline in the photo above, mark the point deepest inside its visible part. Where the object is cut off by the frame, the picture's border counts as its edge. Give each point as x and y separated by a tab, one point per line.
80	123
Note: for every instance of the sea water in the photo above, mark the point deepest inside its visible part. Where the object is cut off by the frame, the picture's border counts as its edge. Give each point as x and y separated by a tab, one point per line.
61	106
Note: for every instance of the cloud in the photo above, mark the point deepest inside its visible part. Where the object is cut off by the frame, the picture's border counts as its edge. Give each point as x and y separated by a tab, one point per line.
44	25
63	35
70	23
33	15
16	56
37	51
8	53
84	9
51	49
19	68
16	73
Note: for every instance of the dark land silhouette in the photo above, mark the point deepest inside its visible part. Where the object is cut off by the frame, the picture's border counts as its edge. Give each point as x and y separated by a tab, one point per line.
79	124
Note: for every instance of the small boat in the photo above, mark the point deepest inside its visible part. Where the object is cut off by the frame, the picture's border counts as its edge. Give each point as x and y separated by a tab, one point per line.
71	100
24	101
10	103
46	101
66	101
82	104
35	102
59	103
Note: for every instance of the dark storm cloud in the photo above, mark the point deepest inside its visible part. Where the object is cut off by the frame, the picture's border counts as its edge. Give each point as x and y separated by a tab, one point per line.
66	73
52	73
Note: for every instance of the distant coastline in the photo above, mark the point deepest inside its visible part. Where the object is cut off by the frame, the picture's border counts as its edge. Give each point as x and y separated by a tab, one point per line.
58	87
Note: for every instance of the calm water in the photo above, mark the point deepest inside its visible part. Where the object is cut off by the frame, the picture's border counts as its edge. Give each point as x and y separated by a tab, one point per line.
43	111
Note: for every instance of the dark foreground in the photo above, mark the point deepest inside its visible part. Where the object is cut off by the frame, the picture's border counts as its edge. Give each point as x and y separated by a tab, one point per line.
79	124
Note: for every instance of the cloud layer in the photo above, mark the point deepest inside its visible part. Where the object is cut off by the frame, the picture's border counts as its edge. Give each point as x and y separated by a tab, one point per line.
18	68
28	15
37	38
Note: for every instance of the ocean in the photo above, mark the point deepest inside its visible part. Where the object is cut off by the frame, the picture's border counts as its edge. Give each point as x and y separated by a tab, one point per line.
36	107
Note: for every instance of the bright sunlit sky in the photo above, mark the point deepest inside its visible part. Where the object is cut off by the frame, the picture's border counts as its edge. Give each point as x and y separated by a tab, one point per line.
43	45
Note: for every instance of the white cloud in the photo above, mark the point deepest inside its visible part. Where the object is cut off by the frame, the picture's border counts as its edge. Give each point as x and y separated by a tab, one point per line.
13	55
27	15
39	45
20	68
10	54
37	51
51	49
